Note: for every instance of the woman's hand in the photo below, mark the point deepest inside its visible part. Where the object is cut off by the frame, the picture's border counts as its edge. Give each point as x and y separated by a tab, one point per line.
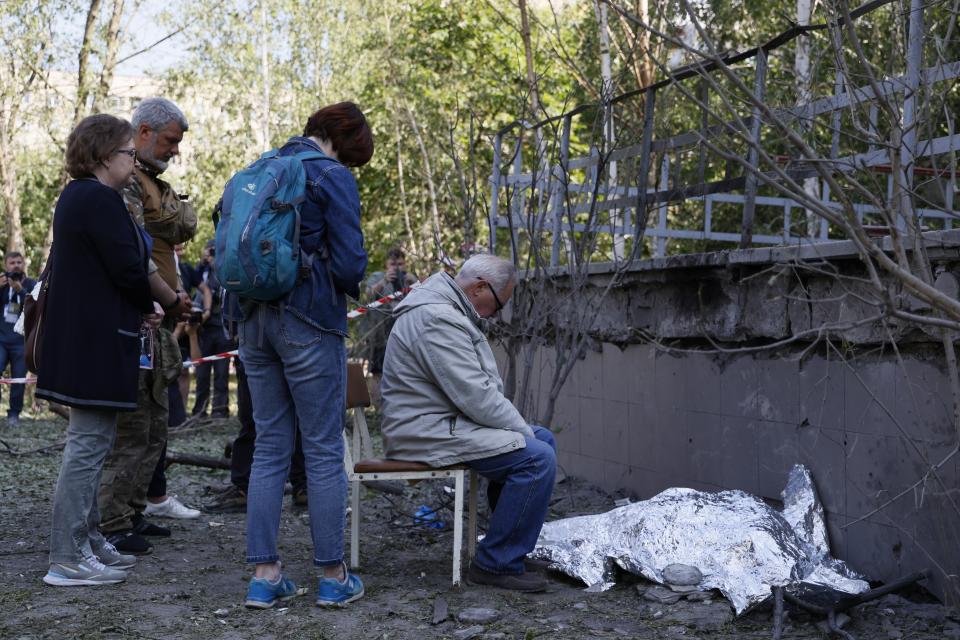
153	320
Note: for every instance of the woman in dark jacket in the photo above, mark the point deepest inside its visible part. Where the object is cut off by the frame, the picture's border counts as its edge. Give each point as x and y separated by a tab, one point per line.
98	298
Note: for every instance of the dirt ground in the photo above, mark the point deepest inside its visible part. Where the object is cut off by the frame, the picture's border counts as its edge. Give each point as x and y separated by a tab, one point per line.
193	583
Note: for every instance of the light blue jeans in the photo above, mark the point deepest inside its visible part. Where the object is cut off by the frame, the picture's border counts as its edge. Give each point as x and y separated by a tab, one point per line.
295	370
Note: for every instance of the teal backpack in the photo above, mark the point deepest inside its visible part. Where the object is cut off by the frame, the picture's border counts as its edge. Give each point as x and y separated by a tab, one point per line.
258	226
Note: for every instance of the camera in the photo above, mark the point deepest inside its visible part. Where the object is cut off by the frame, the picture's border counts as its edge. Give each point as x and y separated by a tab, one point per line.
196	315
399	279
14	275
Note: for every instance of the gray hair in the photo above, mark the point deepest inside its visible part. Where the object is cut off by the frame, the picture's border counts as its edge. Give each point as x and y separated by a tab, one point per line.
498	271
157	113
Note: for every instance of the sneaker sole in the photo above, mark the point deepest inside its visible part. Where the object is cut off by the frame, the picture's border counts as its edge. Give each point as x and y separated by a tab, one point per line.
341	603
121	567
56	581
257	604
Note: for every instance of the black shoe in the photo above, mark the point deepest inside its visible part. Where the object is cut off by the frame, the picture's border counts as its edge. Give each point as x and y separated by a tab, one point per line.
299	496
232	500
129	542
144	527
526	582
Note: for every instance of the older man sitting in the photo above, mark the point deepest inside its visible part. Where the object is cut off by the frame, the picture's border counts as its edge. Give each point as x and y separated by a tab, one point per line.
443	404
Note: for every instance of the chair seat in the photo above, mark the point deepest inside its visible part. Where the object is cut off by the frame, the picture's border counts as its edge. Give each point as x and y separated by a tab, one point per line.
385	465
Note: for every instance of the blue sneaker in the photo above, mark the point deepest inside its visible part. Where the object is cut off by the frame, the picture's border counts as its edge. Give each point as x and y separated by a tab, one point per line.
263	594
333	593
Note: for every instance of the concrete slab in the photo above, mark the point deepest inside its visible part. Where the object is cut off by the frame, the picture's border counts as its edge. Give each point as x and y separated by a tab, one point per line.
870	397
739	385
739	447
821	392
592	427
616	429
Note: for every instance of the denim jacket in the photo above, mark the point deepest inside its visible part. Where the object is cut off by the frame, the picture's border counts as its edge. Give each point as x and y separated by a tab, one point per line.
330	239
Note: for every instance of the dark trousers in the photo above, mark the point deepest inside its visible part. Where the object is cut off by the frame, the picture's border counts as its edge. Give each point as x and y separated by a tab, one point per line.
241	460
14	354
212	341
176	417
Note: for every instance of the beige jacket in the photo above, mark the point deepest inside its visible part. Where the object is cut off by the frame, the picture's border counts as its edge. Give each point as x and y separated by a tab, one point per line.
443	399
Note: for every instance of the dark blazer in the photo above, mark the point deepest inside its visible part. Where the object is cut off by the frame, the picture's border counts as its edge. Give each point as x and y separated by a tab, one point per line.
98	292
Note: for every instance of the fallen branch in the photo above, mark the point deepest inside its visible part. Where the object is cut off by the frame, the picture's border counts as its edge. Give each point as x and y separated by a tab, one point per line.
194	460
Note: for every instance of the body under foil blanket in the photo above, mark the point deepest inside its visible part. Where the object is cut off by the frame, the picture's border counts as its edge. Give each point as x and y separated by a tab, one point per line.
740	545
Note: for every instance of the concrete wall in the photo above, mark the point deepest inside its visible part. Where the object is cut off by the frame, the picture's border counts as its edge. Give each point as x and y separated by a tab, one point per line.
636	417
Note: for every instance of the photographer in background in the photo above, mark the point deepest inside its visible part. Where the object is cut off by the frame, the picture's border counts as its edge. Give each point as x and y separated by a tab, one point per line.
213	340
14	289
379	321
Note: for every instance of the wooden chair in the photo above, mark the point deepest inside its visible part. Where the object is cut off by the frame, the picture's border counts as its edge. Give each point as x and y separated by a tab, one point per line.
370	468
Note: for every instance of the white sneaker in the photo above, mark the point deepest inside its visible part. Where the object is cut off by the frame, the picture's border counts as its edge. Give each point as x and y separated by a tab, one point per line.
89	571
170	508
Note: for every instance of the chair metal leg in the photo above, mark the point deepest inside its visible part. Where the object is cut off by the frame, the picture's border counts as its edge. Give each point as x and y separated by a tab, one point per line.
355	524
457	526
472	516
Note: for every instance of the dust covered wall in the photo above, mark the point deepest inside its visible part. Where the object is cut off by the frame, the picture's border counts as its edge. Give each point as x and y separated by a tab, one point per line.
869	423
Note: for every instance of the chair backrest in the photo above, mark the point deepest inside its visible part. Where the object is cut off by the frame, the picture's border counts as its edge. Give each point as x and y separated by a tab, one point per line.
358	397
357	393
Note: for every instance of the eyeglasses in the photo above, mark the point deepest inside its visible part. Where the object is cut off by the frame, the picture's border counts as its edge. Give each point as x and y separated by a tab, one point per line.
130	152
495	297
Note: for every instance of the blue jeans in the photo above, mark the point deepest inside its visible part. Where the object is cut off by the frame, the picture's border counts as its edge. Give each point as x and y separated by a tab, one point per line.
14	354
295	371
527	477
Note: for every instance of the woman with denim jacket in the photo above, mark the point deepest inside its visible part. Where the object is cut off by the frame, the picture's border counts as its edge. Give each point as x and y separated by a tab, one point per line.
295	360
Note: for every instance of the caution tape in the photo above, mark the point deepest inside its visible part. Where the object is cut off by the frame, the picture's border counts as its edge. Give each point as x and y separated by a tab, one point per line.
356	313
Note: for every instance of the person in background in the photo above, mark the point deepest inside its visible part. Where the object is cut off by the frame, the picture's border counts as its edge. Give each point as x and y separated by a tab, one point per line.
99	296
189	280
14	289
213	340
295	359
379	321
168	217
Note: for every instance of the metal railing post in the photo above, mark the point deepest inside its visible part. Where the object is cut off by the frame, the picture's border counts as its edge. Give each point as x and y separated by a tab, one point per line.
753	153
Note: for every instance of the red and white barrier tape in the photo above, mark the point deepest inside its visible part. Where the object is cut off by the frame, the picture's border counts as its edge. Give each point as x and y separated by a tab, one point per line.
356	313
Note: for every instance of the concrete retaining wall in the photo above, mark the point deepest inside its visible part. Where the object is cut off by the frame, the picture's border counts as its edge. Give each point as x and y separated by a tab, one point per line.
636	417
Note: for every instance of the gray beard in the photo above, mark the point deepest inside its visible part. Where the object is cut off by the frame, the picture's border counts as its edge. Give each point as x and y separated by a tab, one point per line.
146	156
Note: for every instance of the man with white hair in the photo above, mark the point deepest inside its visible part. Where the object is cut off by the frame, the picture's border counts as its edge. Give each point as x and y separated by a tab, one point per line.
169	218
443	404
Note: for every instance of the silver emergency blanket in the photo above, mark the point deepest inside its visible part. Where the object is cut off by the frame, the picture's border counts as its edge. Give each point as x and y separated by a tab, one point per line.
742	546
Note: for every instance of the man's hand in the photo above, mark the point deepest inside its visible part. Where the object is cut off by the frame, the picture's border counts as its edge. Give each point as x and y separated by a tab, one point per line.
16	285
185	306
390	275
153	320
3	280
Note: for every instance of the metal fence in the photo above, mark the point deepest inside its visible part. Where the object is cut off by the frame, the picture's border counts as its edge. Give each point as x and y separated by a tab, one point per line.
556	196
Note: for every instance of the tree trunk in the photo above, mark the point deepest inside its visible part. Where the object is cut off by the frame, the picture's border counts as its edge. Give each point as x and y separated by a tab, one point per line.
536	109
11	197
811	185
428	171
83	60
110	59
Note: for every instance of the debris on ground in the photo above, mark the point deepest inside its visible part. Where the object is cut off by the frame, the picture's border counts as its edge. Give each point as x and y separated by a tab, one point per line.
181	589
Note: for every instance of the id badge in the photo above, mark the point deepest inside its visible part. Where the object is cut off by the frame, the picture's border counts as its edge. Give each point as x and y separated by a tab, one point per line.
11	312
146	348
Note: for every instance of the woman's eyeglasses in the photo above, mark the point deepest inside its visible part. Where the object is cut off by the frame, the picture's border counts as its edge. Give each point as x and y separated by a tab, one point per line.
130	152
